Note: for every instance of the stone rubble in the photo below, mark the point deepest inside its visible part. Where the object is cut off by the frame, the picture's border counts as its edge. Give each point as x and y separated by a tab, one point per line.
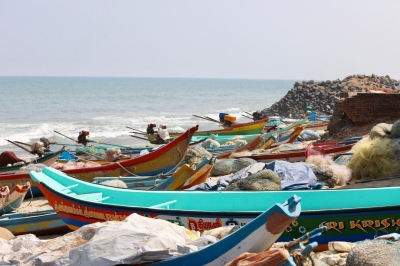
322	96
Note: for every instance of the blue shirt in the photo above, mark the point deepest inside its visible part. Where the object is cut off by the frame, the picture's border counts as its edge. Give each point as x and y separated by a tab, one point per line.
312	117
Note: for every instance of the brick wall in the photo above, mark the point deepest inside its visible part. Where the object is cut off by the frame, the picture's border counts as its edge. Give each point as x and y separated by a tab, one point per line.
368	107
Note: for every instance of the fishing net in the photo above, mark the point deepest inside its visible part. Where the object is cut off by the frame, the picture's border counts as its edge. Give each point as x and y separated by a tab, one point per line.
325	175
343	159
395	132
262	180
375	158
196	155
374	252
31	167
114	183
381	130
227	166
90	150
210	144
222	167
240	143
241	163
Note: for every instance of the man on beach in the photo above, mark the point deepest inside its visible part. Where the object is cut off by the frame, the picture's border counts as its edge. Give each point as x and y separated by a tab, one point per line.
310	114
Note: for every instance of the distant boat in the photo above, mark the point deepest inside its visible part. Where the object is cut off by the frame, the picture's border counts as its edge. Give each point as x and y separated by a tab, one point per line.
250	128
47	160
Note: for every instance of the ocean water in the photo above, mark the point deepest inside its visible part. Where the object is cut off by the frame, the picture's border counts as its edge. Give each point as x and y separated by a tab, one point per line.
33	107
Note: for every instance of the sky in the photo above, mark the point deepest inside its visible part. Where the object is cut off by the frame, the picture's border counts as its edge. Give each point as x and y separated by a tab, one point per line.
292	39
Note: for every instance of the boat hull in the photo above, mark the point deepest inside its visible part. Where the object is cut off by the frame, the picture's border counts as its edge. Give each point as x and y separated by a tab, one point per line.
296	156
14	198
37	223
47	160
349	214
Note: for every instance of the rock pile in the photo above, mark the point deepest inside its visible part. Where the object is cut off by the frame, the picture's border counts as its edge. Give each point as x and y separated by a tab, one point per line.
322	96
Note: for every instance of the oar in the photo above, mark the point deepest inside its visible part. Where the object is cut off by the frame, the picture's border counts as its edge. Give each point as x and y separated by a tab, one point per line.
140	133
138	137
12	142
207	118
137	130
23	143
65	136
211	119
248	117
247	113
120	146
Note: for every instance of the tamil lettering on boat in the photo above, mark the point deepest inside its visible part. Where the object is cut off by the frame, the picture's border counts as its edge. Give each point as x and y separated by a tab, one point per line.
201	225
77	210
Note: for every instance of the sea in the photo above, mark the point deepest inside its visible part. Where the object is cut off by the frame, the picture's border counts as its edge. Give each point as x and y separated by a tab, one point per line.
35	107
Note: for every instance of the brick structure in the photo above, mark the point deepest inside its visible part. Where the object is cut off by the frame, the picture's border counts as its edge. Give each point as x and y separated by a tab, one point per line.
368	107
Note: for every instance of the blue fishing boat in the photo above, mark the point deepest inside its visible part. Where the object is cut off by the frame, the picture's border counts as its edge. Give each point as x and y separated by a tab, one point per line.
40	222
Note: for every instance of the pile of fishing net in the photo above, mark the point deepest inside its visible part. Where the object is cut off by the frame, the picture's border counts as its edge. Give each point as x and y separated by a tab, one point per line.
74	165
228	166
91	150
196	155
327	171
284	147
374	253
310	135
38	167
210	144
264	179
377	156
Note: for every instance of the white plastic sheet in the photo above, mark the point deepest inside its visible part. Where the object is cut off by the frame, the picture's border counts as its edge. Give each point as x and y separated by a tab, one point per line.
135	240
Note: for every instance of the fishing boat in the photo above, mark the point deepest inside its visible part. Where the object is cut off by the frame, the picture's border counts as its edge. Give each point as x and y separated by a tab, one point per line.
160	161
248	147
256	236
332	148
185	177
250	128
316	125
11	199
40	222
47	160
350	214
283	135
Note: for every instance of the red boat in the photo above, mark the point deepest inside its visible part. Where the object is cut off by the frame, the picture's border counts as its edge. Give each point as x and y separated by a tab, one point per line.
301	155
162	160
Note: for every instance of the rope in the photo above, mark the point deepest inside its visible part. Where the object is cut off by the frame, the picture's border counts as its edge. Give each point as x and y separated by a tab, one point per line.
300	259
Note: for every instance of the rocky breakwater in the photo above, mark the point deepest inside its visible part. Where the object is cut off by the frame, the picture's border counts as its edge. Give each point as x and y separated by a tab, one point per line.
324	95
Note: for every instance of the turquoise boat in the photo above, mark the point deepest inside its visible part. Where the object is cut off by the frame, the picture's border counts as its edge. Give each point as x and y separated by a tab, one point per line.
349	214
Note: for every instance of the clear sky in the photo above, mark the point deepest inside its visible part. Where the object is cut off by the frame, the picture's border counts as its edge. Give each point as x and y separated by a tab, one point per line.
291	39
